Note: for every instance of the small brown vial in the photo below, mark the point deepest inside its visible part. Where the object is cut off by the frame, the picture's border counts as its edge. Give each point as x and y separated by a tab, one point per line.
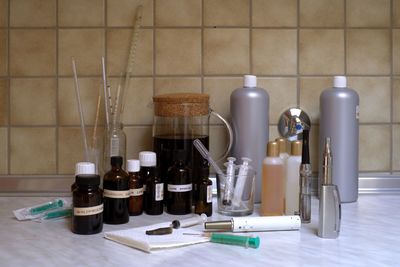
135	187
204	192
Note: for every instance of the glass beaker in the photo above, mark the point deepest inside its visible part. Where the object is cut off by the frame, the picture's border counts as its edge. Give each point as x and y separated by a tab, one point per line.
179	119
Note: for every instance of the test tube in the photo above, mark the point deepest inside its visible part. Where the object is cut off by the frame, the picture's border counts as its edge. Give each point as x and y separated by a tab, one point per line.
240	183
230	180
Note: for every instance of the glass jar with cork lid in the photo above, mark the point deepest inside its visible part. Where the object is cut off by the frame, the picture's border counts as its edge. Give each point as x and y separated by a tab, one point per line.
179	119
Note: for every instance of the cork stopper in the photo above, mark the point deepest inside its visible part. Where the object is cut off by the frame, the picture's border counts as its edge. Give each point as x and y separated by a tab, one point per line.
273	149
296	148
181	105
282	144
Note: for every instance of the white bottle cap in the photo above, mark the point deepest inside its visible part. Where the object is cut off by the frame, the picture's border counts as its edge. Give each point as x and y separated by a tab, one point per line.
85	168
147	159
132	165
250	81
340	82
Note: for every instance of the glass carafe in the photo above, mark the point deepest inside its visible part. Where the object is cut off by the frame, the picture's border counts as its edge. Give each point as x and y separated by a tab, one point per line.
179	119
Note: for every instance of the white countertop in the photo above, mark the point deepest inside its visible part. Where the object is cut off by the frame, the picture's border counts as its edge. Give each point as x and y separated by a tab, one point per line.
370	236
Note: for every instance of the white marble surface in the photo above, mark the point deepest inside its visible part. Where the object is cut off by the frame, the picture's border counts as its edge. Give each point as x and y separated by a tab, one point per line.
370	236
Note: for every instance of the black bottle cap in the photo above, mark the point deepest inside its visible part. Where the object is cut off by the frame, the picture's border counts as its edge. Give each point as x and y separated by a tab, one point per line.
87	180
179	155
205	169
305	155
116	161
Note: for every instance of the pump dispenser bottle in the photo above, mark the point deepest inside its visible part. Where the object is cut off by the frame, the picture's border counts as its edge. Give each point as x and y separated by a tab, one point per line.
273	183
339	107
250	122
292	179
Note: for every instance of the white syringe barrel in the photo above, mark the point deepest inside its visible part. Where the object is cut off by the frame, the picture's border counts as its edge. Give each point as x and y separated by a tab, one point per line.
266	223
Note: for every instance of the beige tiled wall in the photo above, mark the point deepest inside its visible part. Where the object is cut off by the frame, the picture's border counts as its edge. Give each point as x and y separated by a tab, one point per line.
294	46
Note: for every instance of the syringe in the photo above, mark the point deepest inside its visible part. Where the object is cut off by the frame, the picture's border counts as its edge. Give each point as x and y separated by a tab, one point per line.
196	219
229	182
240	183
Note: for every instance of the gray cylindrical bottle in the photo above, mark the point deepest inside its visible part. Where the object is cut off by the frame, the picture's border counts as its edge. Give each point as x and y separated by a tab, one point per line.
339	108
250	122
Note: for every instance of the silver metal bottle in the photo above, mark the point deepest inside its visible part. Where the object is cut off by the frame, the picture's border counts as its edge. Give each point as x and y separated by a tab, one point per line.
339	111
329	201
250	121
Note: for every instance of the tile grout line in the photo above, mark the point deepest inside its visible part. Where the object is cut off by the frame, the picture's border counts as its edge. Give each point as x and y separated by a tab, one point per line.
154	49
202	48
8	89
57	94
251	37
391	88
298	76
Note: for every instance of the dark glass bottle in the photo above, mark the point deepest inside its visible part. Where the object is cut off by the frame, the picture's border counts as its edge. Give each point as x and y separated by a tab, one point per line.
87	202
154	187
204	192
179	196
136	187
116	193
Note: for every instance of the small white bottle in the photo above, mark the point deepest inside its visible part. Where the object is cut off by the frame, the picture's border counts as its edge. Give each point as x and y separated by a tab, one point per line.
293	179
273	183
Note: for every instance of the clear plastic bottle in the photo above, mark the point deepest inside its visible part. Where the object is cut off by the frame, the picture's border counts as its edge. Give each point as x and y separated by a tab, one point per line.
293	179
250	122
273	183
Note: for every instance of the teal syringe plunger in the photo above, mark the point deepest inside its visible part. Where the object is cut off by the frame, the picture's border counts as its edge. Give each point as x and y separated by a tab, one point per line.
237	240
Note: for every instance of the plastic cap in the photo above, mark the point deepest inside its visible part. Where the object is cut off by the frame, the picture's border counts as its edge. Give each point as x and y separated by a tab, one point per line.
250	81
147	159
296	148
339	82
133	165
85	168
282	144
273	149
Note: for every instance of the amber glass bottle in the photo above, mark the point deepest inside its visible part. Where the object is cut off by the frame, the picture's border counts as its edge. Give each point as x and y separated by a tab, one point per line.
179	186
154	192
116	193
204	192
135	187
87	201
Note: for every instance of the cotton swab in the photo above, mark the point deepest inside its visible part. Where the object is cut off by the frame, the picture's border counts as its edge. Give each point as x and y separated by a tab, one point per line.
78	99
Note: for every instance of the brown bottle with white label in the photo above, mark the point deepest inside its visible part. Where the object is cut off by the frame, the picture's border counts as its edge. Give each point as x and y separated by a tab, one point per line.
179	187
135	187
87	201
204	192
116	193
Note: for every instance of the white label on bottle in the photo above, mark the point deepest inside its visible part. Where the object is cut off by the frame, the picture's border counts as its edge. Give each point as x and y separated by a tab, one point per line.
144	188
136	192
114	146
116	194
159	192
179	187
209	193
88	210
357	112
